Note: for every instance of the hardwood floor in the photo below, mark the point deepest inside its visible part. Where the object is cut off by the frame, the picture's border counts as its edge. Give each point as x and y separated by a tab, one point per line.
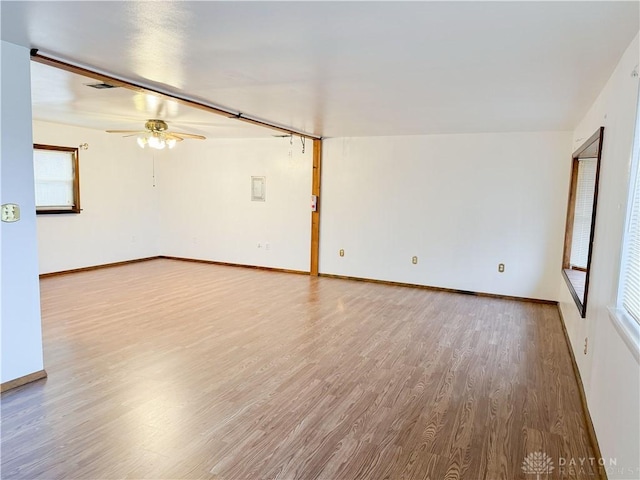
169	369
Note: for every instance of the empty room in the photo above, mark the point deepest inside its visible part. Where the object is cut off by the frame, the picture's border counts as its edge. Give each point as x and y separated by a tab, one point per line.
320	240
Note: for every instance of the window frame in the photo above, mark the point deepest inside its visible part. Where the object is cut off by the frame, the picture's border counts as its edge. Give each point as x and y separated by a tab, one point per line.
596	139
633	190
625	323
75	159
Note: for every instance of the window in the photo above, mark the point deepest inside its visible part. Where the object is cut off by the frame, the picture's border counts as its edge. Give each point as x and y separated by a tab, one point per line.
57	181
581	218
583	213
630	271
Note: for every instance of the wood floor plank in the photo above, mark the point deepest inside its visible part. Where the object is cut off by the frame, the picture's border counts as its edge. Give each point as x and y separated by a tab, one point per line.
170	369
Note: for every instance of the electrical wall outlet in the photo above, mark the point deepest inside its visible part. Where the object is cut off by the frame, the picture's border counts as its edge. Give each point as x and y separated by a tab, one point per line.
414	260
10	212
342	252
501	267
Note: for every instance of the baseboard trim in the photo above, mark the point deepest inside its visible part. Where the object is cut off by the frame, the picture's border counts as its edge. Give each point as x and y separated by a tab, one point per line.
583	397
228	264
97	267
440	289
302	272
20	381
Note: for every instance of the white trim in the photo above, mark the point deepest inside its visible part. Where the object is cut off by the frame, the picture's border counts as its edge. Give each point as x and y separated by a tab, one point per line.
628	329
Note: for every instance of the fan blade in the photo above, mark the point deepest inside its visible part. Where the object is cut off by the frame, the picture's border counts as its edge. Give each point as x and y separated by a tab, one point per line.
133	132
173	137
188	135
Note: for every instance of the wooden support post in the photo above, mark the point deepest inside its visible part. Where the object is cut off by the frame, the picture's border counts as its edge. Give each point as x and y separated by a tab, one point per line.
315	216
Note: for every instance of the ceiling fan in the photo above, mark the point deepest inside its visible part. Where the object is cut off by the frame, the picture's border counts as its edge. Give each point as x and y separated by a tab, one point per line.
157	135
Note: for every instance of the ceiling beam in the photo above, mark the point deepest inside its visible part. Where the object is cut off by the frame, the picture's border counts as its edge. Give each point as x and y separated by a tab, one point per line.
120	82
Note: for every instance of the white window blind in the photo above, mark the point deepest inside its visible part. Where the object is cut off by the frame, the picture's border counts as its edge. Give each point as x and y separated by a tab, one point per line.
631	265
585	190
54	179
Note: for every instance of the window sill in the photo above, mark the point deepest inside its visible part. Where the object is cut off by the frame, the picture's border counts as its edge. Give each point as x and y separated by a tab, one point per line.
628	329
56	212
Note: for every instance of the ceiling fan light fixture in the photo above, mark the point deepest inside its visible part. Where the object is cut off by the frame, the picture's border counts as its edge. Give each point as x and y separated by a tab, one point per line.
157	142
157	136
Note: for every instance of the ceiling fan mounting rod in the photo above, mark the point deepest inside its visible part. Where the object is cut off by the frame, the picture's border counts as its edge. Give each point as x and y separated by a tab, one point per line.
119	82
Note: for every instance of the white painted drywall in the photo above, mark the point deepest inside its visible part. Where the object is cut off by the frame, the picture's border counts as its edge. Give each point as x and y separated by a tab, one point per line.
21	328
461	203
206	208
609	370
119	218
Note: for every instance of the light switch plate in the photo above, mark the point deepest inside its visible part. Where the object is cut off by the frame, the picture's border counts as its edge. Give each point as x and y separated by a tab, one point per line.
10	212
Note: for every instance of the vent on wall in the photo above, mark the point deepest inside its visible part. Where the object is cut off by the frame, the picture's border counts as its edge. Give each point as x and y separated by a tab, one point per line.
100	86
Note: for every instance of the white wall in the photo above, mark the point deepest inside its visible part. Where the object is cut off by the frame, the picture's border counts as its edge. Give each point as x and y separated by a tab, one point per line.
206	208
119	218
609	370
21	329
199	207
461	203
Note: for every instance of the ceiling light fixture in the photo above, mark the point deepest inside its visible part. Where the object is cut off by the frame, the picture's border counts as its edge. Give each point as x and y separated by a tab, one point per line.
157	140
156	135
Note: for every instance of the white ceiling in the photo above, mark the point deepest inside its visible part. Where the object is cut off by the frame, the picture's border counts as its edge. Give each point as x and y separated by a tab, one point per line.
63	97
336	68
